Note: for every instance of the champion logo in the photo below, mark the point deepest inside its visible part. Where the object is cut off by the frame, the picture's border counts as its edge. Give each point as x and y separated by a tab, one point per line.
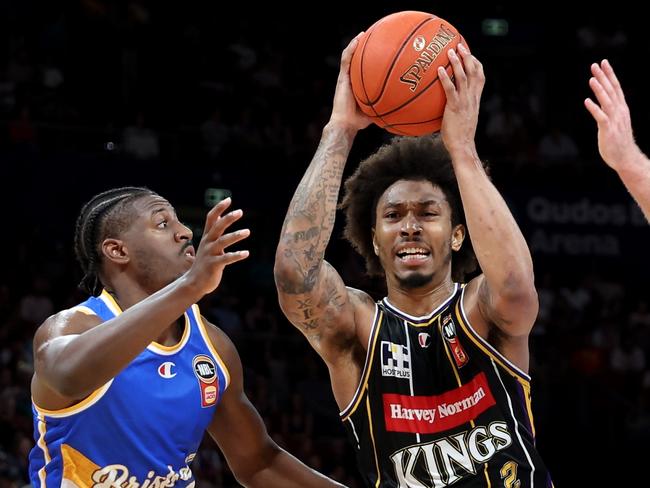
424	338
165	370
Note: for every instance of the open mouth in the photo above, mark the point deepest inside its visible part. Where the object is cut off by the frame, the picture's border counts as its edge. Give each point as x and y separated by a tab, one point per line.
413	254
189	251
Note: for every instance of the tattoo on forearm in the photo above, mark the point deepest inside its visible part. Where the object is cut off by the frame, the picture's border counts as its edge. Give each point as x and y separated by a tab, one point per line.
306	235
313	211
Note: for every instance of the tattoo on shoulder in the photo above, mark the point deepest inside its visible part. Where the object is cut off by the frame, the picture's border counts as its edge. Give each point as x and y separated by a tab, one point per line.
333	297
362	298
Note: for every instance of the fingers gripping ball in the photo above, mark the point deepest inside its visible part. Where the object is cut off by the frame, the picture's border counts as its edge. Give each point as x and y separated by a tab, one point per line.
394	71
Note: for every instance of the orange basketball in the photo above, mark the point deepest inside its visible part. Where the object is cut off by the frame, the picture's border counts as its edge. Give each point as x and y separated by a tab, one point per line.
394	71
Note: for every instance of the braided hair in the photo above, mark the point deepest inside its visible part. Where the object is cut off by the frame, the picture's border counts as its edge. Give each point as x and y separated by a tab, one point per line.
106	214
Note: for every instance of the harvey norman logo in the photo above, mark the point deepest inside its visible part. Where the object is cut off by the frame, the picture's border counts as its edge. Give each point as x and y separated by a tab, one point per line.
429	414
395	360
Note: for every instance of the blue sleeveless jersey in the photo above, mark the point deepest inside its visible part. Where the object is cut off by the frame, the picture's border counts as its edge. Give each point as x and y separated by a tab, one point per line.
142	428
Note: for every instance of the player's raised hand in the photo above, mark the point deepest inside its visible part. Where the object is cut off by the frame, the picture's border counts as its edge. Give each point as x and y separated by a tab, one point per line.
345	109
463	93
615	137
211	256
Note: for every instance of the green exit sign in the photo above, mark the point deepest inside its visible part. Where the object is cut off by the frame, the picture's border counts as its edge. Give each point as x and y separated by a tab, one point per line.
215	195
495	27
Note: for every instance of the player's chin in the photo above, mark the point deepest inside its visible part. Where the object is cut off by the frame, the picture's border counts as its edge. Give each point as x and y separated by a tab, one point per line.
186	266
415	279
181	270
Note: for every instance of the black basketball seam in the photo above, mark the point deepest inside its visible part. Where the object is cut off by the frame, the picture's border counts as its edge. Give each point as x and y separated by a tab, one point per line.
363	85
415	123
392	65
436	79
393	127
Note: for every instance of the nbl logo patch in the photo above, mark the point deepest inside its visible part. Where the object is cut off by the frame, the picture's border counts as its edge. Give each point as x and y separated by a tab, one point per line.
395	360
449	333
206	373
204	369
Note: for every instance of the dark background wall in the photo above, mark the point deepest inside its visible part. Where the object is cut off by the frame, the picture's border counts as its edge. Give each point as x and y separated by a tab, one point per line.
190	96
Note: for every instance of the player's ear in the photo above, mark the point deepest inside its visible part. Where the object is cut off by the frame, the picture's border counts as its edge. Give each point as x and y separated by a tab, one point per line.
375	246
457	237
115	250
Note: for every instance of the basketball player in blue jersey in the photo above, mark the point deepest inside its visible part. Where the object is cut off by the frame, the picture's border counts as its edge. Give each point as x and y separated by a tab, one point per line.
615	138
432	381
127	382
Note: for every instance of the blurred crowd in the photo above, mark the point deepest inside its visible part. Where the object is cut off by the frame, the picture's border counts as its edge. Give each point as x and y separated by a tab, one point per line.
95	94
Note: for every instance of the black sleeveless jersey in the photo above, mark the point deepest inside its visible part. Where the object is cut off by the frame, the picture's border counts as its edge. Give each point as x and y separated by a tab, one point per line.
438	406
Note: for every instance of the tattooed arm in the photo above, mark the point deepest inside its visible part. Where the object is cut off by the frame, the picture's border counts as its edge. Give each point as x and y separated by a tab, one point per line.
312	294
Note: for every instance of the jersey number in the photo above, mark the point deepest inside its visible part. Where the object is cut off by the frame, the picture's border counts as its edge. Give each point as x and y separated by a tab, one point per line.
509	475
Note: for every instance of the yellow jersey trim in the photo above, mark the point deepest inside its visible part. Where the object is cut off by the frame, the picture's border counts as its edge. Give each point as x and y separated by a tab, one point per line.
83	309
89	401
42	429
169	350
363	383
483	345
529	408
372	438
110	302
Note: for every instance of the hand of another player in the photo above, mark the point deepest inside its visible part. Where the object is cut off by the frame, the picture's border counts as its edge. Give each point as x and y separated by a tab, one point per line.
615	137
345	109
460	118
211	256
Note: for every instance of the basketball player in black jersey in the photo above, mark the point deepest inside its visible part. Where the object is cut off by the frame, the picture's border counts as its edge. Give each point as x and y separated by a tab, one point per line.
432	381
615	138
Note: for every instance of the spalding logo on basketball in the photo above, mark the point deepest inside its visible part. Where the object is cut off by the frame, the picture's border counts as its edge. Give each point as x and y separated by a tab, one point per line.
394	71
419	43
